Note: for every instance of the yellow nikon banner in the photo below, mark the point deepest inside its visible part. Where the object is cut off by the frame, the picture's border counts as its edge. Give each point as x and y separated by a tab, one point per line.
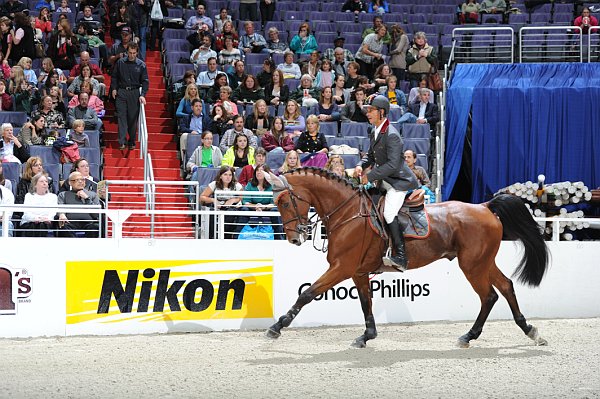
145	291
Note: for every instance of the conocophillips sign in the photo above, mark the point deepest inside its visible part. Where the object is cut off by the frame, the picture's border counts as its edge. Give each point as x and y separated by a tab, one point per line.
114	291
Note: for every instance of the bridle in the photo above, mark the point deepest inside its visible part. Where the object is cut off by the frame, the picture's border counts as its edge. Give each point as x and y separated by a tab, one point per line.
306	225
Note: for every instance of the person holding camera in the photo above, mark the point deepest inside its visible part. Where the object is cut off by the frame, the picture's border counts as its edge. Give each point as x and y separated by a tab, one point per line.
585	20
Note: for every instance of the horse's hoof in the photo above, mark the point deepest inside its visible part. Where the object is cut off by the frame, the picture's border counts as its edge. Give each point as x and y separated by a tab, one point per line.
534	335
462	344
359	343
272	334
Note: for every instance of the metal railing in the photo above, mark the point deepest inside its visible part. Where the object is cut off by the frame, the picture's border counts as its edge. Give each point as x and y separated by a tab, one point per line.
118	217
490	45
550	44
594	32
157	195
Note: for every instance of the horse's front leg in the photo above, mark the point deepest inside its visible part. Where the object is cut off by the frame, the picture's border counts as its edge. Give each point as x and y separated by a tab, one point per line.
364	294
332	277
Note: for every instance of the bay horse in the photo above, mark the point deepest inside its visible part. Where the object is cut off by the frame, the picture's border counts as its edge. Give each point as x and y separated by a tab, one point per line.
470	232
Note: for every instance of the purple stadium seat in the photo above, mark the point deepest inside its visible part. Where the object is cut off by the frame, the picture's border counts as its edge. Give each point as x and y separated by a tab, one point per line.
416	131
283	6
175	13
354	129
275	160
175	34
12	172
307	7
177	45
325	27
442	19
416	19
331	7
560	8
540	18
292	83
319	16
325	38
518	18
353	38
346	29
294	16
280	25
445	9
563	18
418	145
426	9
343	18
187	14
329	128
365	18
401	9
253	69
491	18
256	58
293	26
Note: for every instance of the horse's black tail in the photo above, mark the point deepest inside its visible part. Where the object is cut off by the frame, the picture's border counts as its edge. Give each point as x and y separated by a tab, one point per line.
518	224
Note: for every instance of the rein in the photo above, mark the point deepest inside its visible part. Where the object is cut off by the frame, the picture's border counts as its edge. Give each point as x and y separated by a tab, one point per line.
306	225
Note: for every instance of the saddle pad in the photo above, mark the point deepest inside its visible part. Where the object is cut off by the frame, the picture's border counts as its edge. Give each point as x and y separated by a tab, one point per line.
414	222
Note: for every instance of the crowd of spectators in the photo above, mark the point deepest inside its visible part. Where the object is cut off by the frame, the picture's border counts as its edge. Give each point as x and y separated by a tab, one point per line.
52	61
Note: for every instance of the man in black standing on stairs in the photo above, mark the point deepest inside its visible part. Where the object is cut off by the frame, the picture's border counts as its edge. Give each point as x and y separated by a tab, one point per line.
129	75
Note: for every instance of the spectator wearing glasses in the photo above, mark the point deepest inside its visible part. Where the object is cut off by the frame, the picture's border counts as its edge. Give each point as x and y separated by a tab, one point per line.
70	223
304	42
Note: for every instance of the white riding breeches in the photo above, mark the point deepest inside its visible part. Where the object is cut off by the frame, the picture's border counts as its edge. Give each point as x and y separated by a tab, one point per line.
393	202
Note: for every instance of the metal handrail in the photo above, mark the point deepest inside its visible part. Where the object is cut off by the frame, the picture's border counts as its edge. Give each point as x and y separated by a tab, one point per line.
567	29
495	29
594	222
589	41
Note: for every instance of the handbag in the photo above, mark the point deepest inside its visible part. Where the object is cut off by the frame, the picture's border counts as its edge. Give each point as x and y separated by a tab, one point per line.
433	80
40	51
156	13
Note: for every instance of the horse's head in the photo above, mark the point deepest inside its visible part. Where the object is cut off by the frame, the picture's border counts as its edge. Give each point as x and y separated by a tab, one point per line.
293	209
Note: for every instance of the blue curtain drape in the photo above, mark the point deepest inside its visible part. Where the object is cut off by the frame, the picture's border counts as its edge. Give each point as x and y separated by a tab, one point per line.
528	119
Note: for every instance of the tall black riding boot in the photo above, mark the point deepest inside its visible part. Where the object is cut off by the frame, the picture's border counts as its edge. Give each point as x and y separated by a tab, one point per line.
397	260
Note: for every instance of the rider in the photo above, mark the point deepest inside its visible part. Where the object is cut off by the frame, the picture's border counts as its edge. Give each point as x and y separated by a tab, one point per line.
386	159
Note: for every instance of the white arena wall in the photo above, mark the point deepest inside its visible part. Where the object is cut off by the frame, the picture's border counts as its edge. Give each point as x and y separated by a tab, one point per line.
65	287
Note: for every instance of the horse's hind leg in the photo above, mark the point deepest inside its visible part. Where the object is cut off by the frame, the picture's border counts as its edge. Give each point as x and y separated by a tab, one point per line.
332	277
480	282
505	286
364	294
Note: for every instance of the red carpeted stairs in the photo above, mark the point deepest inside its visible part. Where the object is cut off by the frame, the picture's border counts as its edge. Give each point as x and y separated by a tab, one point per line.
127	165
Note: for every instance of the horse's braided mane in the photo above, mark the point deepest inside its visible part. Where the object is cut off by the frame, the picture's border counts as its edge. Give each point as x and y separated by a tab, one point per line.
323	173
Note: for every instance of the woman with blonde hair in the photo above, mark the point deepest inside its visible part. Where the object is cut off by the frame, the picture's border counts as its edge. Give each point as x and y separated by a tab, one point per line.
291	162
185	105
17	77
313	144
259	121
33	166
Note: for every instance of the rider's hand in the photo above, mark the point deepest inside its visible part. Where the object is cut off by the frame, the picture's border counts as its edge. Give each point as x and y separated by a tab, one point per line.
358	171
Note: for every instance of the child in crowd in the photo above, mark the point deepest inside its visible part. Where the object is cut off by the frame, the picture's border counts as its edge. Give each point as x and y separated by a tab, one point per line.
64	7
30	76
78	135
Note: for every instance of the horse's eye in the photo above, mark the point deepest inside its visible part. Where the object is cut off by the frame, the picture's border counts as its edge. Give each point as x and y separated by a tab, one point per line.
285	205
